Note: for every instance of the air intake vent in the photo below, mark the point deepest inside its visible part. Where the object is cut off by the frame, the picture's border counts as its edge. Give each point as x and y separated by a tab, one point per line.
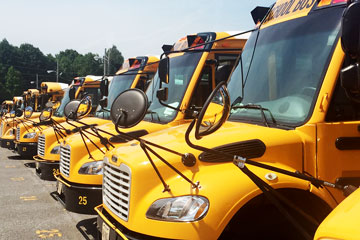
41	145
247	149
18	133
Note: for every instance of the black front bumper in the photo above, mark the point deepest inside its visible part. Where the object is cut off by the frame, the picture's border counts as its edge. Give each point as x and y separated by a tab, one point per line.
117	231
46	169
79	198
25	149
7	143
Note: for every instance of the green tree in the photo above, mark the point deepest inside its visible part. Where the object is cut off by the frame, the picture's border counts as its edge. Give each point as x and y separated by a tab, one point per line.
88	64
13	82
66	64
116	59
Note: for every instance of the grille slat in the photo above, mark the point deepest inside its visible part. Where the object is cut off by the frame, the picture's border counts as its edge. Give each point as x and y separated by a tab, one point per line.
18	133
1	131
41	145
65	153
116	189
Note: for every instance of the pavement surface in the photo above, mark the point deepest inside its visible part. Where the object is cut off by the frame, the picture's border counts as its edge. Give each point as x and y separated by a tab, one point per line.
27	209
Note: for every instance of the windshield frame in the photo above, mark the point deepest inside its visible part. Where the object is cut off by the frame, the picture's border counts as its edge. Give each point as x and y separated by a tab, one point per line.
154	87
245	70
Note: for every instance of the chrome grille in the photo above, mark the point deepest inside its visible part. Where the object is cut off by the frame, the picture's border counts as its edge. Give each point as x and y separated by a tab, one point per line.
18	133
65	160
116	189
41	145
1	129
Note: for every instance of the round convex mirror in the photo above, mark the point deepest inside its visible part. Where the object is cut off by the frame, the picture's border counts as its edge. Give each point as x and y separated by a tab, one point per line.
12	113
70	109
18	112
84	107
214	112
129	108
46	114
28	112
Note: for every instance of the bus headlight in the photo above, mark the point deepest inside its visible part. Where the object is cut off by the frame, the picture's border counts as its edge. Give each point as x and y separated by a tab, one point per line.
92	168
55	150
179	209
30	135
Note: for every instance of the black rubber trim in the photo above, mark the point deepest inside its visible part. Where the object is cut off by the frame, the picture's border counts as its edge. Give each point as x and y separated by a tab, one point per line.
27	149
45	170
122	139
128	233
72	198
248	149
348	143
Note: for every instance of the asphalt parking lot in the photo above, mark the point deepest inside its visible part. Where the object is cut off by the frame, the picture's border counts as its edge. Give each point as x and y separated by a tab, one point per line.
28	211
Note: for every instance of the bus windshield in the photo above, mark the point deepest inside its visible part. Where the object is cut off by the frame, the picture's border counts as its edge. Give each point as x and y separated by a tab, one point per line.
66	98
283	68
181	70
119	84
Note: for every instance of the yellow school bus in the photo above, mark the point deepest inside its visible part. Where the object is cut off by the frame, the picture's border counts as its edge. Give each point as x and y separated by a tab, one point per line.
34	101
193	75
6	106
135	72
277	165
27	133
343	222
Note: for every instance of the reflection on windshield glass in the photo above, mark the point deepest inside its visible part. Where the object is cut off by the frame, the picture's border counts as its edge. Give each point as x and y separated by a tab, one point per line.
60	110
287	69
181	71
119	84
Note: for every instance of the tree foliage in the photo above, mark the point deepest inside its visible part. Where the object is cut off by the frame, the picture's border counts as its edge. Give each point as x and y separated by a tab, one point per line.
20	65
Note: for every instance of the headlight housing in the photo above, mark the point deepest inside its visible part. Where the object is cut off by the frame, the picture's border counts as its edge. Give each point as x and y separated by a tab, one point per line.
92	168
30	135
179	209
55	150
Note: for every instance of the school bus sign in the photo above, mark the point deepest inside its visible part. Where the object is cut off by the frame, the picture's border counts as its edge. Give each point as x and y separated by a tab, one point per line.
286	9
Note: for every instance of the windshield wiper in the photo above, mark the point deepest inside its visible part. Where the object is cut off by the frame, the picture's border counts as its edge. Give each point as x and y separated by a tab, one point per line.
156	114
262	110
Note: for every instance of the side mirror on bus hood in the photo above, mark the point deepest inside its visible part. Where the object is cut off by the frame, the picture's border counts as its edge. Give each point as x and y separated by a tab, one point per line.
164	70
104	87
129	108
350	30
214	113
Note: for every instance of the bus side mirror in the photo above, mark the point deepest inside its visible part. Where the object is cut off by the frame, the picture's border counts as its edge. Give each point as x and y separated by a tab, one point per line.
72	93
28	112
164	70
214	113
350	81
46	114
162	94
129	108
104	87
350	30
18	112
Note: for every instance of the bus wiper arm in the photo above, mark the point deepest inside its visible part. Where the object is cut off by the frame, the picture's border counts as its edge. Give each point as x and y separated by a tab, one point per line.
262	110
152	113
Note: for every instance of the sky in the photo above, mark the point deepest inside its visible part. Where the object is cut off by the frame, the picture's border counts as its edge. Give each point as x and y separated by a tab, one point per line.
136	27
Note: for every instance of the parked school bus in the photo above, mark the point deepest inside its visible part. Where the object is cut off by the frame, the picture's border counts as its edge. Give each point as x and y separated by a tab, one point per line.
80	87
193	78
27	134
33	101
49	143
291	130
10	120
6	106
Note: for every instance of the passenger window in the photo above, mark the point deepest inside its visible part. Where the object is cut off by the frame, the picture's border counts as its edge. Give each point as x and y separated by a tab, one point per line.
203	88
341	107
144	81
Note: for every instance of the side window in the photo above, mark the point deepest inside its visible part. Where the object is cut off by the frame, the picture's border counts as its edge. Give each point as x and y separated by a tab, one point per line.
203	88
144	81
341	107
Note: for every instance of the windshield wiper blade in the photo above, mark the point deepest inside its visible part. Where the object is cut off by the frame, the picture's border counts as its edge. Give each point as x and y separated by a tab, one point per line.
262	110
156	114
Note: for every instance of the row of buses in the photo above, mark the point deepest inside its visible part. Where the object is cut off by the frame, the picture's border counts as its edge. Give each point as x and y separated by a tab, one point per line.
250	135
